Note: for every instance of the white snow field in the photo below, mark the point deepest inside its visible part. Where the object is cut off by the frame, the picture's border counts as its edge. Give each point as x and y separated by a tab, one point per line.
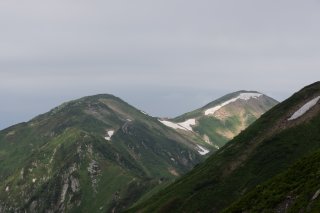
110	133
242	96
202	150
304	108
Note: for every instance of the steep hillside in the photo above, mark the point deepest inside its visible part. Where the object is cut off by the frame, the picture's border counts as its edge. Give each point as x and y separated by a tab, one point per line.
295	190
283	135
221	120
89	155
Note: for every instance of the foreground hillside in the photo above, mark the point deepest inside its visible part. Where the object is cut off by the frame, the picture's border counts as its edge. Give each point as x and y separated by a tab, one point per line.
89	155
281	137
295	190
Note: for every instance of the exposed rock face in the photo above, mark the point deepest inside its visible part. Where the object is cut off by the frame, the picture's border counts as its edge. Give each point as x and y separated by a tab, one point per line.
75	184
316	195
284	205
65	187
128	128
94	172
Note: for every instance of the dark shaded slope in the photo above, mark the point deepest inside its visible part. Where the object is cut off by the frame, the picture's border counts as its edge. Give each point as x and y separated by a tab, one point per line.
295	190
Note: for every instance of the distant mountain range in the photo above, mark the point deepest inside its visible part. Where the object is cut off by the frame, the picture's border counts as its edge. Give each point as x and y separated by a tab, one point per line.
99	154
272	166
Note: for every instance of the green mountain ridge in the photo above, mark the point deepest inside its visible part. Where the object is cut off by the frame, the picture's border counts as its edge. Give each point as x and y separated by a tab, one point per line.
236	176
65	160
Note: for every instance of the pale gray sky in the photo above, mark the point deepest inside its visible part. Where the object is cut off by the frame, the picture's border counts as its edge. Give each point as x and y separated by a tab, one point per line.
165	57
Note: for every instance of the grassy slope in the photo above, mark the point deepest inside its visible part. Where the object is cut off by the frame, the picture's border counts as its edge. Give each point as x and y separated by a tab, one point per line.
291	191
219	181
57	148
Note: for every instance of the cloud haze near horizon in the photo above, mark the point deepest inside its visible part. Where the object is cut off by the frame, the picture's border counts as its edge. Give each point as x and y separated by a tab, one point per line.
164	57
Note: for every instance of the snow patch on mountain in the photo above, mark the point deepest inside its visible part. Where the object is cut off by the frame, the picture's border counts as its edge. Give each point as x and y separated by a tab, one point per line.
304	108
110	134
207	140
186	125
202	150
241	96
172	125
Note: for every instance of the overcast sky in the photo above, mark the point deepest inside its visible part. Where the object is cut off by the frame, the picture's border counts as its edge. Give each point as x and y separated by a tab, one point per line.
165	57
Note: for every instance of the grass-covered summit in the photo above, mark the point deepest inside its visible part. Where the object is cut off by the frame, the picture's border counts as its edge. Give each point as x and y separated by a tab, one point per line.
94	154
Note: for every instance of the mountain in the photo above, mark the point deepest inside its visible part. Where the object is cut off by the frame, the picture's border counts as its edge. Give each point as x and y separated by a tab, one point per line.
221	120
99	153
94	154
272	165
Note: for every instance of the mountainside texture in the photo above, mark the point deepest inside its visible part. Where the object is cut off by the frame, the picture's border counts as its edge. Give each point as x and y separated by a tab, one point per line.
95	154
295	190
263	152
221	120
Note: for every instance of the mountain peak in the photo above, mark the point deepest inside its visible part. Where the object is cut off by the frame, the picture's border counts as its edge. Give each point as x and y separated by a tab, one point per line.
241	96
88	102
233	95
95	153
222	119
